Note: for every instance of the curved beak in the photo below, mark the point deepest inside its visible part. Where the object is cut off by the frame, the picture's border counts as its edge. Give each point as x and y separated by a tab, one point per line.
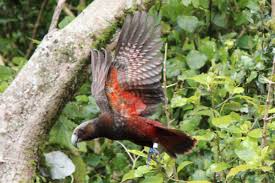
74	139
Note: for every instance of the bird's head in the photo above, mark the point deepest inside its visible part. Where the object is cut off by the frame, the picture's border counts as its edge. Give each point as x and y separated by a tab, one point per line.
85	131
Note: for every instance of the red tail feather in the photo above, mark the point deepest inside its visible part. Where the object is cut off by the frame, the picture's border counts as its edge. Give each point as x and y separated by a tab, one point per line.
174	141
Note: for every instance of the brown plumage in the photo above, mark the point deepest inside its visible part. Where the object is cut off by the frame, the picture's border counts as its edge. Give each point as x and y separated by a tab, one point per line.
127	87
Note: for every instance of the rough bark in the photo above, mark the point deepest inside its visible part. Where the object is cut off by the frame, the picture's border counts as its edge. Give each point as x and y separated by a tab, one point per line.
33	99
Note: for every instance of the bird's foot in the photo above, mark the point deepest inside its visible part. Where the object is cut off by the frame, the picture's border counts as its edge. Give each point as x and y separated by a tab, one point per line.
153	153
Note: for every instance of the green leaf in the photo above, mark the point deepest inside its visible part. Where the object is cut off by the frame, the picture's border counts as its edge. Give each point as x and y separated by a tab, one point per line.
178	101
256	133
203	79
128	176
153	179
186	2
243	18
183	164
80	169
248	151
247	62
3	86
199	175
196	3
82	98
120	161
218	167
271	111
6	73
188	23
93	160
220	20
174	67
264	152
224	121
238	90
140	171
252	76
137	152
19	61
266	168
271	125
195	59
208	48
198	181
61	132
207	136
66	20
190	124
172	10
240	168
235	129
245	42
169	165
35	41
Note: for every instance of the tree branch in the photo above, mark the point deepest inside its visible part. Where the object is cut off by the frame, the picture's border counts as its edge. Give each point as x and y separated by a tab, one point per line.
166	109
29	105
266	119
67	10
270	89
126	150
56	14
36	25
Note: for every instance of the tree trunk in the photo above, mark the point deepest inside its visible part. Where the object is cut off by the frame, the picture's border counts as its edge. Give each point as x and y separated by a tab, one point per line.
30	103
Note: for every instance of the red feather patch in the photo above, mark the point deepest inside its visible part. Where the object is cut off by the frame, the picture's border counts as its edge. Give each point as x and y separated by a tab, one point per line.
121	101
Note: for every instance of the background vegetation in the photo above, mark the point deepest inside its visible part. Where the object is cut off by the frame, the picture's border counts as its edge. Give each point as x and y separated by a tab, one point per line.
219	60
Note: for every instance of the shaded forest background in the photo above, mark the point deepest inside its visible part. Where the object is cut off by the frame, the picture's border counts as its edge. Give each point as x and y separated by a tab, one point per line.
218	65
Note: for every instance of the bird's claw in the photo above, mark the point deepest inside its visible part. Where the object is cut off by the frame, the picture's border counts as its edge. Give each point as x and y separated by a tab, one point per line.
153	153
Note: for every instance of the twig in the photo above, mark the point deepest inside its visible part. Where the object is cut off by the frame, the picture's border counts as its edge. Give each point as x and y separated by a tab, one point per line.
172	85
226	100
72	178
270	82
56	14
36	25
67	10
166	109
2	61
165	86
267	105
176	180
270	118
97	147
130	156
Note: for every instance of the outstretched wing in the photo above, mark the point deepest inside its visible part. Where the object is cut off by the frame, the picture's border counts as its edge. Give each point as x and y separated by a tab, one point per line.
133	86
100	63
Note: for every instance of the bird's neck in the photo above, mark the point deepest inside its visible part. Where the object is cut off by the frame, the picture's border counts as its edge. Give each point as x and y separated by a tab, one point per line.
110	126
105	125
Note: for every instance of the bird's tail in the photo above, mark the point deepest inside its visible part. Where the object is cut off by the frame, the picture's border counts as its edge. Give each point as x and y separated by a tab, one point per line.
174	141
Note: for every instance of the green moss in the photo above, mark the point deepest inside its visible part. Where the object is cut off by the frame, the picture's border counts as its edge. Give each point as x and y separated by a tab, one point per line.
104	38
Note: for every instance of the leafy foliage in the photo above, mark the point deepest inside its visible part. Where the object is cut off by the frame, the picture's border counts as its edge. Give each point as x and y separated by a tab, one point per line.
219	62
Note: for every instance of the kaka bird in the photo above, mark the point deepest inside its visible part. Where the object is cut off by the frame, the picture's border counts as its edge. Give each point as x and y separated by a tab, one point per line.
127	87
